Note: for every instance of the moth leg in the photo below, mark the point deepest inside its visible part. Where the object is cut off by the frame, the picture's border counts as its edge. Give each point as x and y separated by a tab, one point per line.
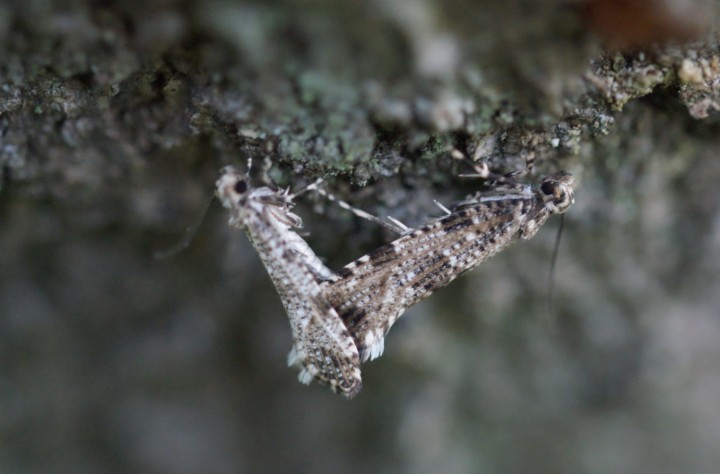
393	226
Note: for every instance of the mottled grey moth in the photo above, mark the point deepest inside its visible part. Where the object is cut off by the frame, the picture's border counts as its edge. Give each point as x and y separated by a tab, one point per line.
372	292
322	346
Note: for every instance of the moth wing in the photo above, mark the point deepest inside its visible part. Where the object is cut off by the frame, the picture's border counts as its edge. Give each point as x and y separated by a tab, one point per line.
323	348
367	305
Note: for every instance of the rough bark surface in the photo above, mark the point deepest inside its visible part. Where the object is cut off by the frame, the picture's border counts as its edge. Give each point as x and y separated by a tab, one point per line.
115	118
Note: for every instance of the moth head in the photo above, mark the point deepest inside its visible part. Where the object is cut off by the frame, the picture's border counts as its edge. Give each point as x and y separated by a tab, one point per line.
243	200
558	192
231	188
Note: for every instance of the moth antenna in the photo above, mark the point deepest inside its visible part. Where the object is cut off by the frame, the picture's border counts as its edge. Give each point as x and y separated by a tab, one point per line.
184	243
553	264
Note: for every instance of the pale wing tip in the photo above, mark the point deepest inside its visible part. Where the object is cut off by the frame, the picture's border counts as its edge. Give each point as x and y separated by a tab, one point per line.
293	358
307	372
374	346
305	376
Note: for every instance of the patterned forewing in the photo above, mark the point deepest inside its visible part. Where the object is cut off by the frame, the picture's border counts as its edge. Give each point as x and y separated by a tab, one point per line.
371	293
323	347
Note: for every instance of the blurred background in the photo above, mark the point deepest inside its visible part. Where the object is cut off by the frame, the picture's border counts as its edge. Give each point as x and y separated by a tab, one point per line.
115	118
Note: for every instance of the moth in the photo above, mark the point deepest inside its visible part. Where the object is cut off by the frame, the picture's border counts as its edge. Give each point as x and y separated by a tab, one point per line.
372	292
323	349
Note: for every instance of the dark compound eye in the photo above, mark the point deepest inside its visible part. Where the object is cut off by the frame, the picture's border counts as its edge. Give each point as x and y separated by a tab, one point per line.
547	188
241	187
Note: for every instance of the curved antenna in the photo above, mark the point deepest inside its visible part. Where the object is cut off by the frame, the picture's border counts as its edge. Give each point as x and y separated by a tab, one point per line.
553	264
184	243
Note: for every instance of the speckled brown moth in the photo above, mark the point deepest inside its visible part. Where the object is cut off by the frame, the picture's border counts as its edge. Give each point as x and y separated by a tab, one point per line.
372	292
322	349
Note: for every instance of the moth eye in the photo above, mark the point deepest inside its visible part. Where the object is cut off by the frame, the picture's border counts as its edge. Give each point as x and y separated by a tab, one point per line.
547	188
240	187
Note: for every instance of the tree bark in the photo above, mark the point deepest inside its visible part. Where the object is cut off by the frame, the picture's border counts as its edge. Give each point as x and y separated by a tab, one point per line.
115	118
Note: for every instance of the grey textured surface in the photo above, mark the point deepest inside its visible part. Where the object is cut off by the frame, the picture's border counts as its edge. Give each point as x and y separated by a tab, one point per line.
115	118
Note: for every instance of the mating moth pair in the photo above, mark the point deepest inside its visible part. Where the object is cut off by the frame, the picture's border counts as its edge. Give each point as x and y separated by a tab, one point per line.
340	319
